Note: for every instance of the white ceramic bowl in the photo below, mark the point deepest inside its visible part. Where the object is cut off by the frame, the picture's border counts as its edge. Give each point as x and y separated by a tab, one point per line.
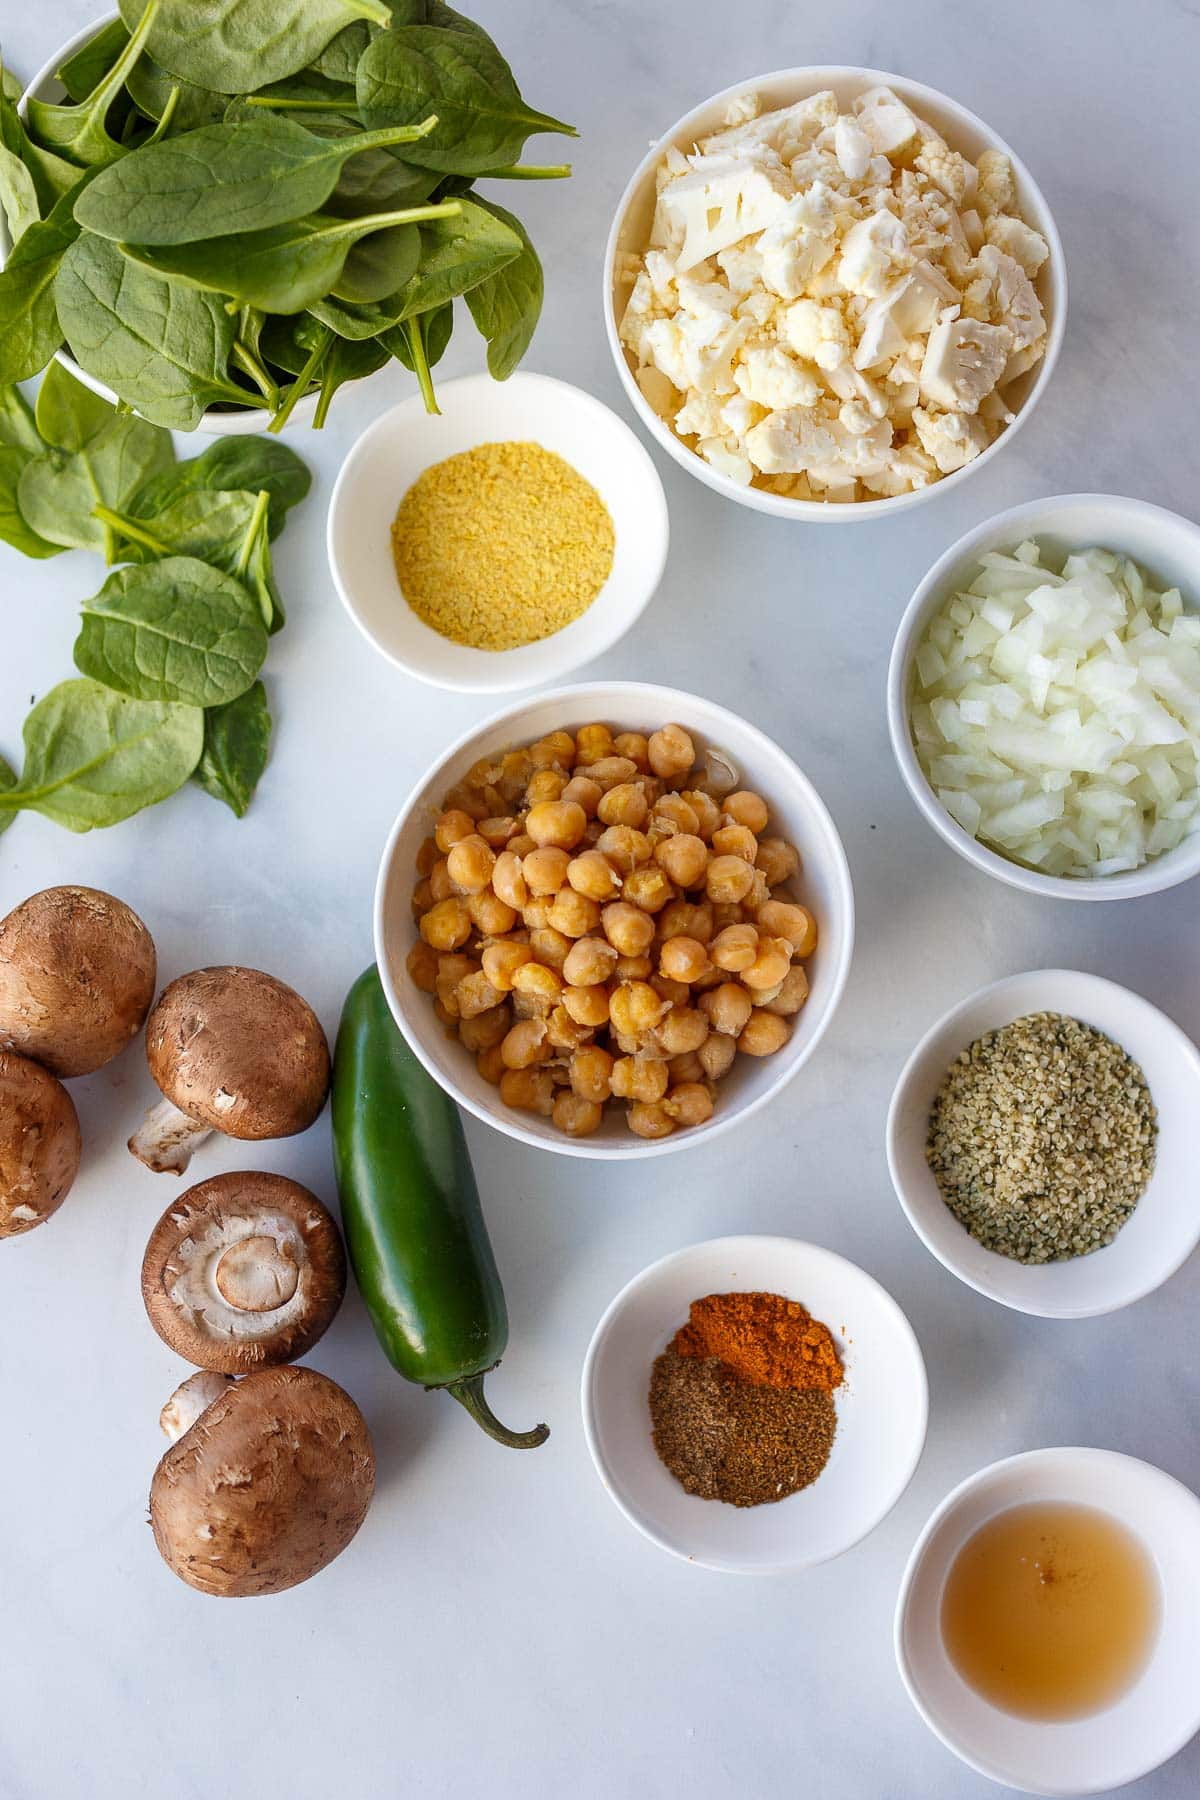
1161	542
1165	1226
400	446
881	1408
783	87
1141	1730
215	423
797	813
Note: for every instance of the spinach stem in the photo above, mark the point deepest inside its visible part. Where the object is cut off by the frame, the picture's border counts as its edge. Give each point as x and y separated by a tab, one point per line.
250	365
127	528
404	215
280	103
301	384
168	113
416	345
527	172
257	520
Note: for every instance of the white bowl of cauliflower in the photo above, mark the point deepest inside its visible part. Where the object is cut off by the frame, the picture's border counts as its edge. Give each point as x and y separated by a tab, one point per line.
832	291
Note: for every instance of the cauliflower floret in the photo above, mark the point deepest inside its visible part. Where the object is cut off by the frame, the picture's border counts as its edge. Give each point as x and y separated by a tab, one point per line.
972	229
849	383
661	395
953	439
945	168
907	467
1018	240
641	309
817	333
893	130
776	380
964	359
1021	360
997	190
728	459
786	130
872	252
700	416
740	415
1014	302
852	147
799	243
720	201
759	308
741	267
791	440
741	109
661	273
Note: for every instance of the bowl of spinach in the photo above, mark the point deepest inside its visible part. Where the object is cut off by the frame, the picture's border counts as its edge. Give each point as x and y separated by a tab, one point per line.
218	216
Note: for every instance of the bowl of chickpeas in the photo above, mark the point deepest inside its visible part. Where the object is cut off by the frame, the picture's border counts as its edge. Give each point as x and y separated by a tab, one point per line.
614	920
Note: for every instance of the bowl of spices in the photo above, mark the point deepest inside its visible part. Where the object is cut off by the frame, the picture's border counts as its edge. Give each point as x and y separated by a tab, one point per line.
1041	1142
754	1404
501	543
1048	1622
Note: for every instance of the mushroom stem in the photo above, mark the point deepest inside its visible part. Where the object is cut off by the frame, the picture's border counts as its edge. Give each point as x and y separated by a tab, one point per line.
469	1393
167	1138
191	1398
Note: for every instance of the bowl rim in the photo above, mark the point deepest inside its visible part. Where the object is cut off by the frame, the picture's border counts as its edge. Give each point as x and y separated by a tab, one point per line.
212	423
971	1484
565	394
1157	875
779	1243
813	76
637	1148
898	1104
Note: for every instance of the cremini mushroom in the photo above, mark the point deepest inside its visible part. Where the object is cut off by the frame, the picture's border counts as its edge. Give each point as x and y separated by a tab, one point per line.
243	1271
77	972
265	1486
39	1144
232	1050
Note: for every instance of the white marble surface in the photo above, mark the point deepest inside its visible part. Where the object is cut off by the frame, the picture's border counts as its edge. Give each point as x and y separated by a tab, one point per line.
497	1628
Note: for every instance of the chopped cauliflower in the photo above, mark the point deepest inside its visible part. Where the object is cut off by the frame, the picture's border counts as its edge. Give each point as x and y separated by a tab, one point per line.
963	359
952	438
776	380
1018	240
818	333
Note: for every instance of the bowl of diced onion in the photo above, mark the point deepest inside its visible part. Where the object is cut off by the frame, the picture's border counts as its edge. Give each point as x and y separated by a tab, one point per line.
1044	697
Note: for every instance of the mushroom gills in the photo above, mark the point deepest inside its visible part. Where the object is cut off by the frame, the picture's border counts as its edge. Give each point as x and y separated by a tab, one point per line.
241	1277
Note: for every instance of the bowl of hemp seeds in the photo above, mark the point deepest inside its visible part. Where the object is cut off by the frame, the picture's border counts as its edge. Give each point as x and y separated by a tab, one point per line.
754	1404
501	542
1041	1140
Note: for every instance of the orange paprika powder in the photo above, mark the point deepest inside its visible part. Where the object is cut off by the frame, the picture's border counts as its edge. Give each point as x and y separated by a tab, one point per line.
763	1338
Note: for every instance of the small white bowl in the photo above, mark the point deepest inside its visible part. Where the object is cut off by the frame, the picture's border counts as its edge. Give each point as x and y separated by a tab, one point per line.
1161	542
783	87
797	813
215	422
1079	1756
1165	1226
882	1407
400	445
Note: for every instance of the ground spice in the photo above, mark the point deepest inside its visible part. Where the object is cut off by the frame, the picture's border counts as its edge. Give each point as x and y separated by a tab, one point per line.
501	545
762	1338
726	1439
1042	1138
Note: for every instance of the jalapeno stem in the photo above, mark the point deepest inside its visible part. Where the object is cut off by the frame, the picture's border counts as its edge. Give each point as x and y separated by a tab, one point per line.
469	1393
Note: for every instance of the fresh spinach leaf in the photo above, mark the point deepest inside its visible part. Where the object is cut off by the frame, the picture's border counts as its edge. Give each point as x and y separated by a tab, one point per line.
338	61
237	45
8	779
257	572
237	741
351	321
221	181
83	72
283	268
58	491
11	86
163	347
506	306
29	326
80	132
18	192
176	630
150	88
459	252
69	415
93	757
15	529
52	175
483	122
379	264
252	464
17	428
347	361
377	181
210	526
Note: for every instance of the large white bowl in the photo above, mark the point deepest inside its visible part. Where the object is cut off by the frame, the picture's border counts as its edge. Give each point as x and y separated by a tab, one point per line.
215	423
1162	542
882	1408
400	446
797	813
1080	1756
1165	1226
783	87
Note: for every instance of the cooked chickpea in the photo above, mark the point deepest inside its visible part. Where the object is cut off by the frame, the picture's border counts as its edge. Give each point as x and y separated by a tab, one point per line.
735	948
758	896
650	1121
639	1078
545	869
635	1007
496	832
465	799
690	1103
625	804
489	915
591	1073
628	929
648	888
521	844
589	962
671	751
550	946
423	898
683	1031
528	1090
593	742
792	994
769	967
778	860
440	884
634	968
708	813
609	771
475	994
545	788
576	1116
745	808
470	864
422	965
726	1008
427	855
447	925
728	879
686	918
593	875
564	1032
730	912
574	914
485	1030
536	979
508	881
735	840
451	828
558	747
490	1064
525	1044
625	847
716	1055
529	1006
556	823
501	962
583	793
764	1034
677	992
672	810
587	1005
685	1068
796	923
683	959
516	766
537	912
443	1014
451	970
684	857
633	744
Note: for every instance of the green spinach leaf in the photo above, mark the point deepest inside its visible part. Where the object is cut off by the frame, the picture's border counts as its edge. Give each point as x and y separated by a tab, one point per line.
15	529
93	757
30	332
163	347
8	780
83	72
150	88
69	415
58	491
458	254
17	429
347	361
483	122
18	191
80	132
338	61
352	321
176	630
236	46
379	264
210	526
237	741
506	306
252	464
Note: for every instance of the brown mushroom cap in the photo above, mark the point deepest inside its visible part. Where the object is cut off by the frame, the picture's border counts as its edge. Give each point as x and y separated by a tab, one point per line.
39	1144
240	1052
77	970
269	1485
243	1271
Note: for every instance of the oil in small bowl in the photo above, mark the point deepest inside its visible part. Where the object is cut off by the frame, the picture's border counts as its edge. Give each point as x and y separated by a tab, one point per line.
1050	1610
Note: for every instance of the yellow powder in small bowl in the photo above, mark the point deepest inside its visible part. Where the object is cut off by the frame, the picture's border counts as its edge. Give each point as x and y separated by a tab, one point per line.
501	545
